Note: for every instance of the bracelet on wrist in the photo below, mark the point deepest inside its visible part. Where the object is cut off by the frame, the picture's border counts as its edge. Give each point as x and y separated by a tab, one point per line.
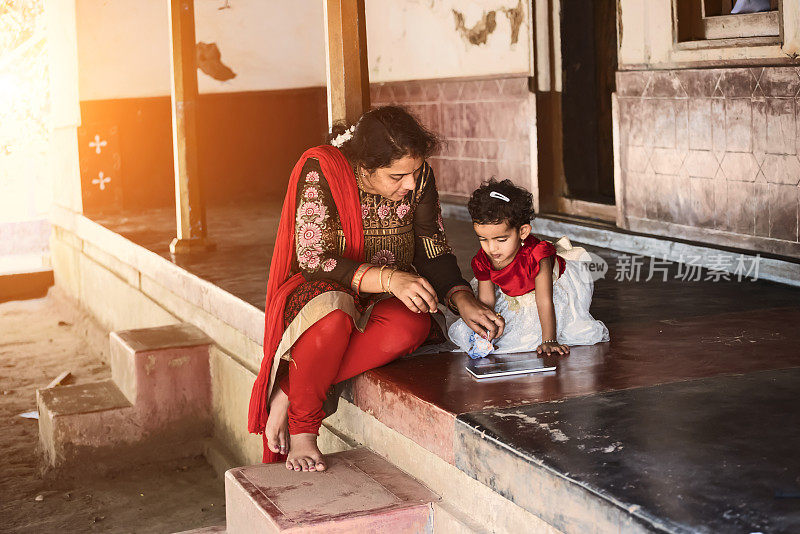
380	278
359	275
389	282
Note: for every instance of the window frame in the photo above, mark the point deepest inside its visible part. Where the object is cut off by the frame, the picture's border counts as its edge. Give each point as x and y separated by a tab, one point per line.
691	26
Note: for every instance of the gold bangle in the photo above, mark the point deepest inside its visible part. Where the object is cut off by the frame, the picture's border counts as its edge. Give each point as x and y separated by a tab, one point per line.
389	282
380	278
358	277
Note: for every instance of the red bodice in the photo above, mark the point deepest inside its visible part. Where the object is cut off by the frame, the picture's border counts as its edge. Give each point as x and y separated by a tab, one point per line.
517	278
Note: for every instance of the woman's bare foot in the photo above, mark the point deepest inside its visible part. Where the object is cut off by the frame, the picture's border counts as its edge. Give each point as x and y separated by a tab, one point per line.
277	428
304	454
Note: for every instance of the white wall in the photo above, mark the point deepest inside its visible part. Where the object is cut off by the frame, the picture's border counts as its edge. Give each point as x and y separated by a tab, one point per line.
417	39
123	45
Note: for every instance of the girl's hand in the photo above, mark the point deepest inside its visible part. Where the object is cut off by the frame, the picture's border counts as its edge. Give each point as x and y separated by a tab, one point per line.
548	348
413	291
479	317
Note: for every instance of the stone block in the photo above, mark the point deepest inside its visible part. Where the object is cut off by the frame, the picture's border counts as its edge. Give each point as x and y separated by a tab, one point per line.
164	371
360	491
79	420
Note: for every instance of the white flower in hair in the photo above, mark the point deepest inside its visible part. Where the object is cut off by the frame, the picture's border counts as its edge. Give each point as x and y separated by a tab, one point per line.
342	138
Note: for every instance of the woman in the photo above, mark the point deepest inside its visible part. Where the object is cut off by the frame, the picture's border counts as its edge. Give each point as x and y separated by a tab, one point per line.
360	262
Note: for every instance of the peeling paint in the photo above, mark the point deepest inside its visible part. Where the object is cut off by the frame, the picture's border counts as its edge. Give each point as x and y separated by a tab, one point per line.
178	362
150	365
478	34
209	60
555	433
515	17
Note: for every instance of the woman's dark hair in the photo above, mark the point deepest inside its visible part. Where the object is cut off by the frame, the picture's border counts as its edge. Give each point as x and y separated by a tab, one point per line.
385	134
487	209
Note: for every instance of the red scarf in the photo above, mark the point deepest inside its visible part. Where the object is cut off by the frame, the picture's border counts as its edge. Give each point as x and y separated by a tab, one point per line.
281	283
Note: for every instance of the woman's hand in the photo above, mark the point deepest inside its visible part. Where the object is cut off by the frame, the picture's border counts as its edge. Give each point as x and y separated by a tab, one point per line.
549	347
413	291
479	317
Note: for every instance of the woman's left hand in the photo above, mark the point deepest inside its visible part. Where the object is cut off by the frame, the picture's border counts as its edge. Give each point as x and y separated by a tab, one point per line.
479	317
548	348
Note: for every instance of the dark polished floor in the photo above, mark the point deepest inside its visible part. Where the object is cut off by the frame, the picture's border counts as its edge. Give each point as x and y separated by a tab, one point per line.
689	413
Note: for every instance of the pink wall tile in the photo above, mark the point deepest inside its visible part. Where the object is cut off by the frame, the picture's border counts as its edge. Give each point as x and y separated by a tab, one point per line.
740	170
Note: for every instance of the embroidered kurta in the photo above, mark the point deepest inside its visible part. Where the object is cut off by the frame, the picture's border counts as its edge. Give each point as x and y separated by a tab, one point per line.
407	234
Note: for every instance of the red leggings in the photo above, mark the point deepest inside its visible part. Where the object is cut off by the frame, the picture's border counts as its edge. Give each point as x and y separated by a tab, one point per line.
333	350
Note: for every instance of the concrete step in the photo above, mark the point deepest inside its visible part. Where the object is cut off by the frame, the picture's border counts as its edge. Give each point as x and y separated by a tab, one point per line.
79	420
360	491
25	285
158	403
164	368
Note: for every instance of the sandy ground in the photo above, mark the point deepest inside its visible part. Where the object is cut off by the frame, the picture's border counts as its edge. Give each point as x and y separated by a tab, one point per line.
36	344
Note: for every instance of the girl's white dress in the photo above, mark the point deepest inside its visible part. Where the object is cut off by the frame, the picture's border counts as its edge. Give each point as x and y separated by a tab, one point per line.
572	296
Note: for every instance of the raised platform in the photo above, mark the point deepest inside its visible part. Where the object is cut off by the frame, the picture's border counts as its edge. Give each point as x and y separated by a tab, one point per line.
360	491
426	415
708	455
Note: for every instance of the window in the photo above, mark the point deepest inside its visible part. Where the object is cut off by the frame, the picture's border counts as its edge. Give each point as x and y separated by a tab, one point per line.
712	23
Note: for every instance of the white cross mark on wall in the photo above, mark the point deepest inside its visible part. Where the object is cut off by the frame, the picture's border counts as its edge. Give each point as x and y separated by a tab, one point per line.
101	180
97	144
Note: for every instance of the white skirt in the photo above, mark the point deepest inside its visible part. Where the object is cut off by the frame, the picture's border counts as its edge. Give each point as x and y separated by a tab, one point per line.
572	296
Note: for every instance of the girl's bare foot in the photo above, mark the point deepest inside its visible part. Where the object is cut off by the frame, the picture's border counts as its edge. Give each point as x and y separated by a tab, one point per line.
304	454
277	428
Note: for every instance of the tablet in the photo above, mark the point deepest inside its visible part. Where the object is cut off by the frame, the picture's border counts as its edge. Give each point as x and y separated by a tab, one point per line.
496	365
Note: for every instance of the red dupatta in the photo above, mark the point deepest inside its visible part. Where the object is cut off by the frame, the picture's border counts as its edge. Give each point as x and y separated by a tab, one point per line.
281	283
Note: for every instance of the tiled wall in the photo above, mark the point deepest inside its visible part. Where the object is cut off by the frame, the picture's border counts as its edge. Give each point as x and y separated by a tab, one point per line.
712	155
485	124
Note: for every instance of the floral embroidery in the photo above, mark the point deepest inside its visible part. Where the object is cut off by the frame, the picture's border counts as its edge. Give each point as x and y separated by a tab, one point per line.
383	257
304	256
310	223
309	235
329	265
313	211
364	212
383	211
313	262
402	210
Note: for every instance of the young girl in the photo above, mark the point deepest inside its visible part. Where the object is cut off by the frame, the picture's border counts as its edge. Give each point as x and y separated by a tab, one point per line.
511	263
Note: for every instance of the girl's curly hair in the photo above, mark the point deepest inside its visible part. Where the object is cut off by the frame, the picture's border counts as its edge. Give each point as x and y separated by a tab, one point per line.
486	209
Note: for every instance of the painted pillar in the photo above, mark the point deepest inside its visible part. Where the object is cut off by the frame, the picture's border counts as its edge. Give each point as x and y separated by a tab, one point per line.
189	204
346	56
